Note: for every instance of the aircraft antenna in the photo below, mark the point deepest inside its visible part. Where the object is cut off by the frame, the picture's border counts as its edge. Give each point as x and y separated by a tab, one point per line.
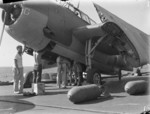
78	5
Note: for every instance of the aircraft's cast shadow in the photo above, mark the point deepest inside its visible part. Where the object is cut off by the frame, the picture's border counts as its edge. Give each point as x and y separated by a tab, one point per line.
99	100
55	92
54	87
14	103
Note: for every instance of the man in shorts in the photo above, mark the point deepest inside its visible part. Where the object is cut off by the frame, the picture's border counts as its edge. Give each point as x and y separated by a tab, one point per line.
37	67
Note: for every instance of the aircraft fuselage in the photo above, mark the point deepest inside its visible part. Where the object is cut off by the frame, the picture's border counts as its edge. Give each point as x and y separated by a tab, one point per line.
41	23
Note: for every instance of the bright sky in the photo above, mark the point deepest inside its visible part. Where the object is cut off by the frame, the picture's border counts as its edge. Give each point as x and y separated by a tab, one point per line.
136	14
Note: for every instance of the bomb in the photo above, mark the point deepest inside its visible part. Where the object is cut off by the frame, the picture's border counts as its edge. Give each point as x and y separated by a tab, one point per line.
136	87
80	94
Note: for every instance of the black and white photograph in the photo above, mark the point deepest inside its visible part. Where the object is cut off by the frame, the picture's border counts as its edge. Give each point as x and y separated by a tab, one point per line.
75	57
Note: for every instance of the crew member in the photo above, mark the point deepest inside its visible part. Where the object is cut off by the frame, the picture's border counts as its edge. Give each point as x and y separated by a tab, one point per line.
18	71
59	69
69	73
37	67
137	72
65	72
77	69
62	71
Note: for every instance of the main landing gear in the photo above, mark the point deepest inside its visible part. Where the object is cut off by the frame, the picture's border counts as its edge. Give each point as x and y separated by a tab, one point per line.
93	75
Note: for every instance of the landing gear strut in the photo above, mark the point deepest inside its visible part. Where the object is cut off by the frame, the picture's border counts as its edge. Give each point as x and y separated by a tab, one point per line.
93	75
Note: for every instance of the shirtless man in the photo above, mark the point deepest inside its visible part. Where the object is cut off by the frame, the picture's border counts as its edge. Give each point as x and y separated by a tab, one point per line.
77	69
37	67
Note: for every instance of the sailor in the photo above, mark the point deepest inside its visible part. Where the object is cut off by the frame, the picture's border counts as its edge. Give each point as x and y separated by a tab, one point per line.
65	71
18	70
62	71
69	73
59	69
37	67
137	72
77	69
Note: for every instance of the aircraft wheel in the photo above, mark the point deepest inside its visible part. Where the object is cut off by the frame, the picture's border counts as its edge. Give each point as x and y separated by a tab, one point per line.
28	79
94	77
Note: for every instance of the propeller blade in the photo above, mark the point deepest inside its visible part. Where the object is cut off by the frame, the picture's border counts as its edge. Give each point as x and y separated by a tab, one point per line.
1	37
4	6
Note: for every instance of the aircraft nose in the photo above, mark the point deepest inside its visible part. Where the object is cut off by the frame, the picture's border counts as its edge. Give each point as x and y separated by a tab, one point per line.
10	13
31	18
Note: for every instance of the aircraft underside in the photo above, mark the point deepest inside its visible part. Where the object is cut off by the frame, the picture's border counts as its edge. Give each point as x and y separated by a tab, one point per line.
110	55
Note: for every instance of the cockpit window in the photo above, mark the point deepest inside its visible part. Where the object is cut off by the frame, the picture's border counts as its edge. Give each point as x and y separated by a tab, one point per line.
77	12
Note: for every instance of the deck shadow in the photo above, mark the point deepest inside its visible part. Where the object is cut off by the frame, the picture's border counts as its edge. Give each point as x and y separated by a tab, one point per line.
14	103
99	100
55	92
116	86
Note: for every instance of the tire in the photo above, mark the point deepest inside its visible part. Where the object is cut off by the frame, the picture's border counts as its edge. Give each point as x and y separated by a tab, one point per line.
94	77
28	79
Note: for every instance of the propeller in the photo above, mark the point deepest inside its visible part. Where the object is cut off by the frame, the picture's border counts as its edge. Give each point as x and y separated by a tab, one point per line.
5	9
10	14
1	37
